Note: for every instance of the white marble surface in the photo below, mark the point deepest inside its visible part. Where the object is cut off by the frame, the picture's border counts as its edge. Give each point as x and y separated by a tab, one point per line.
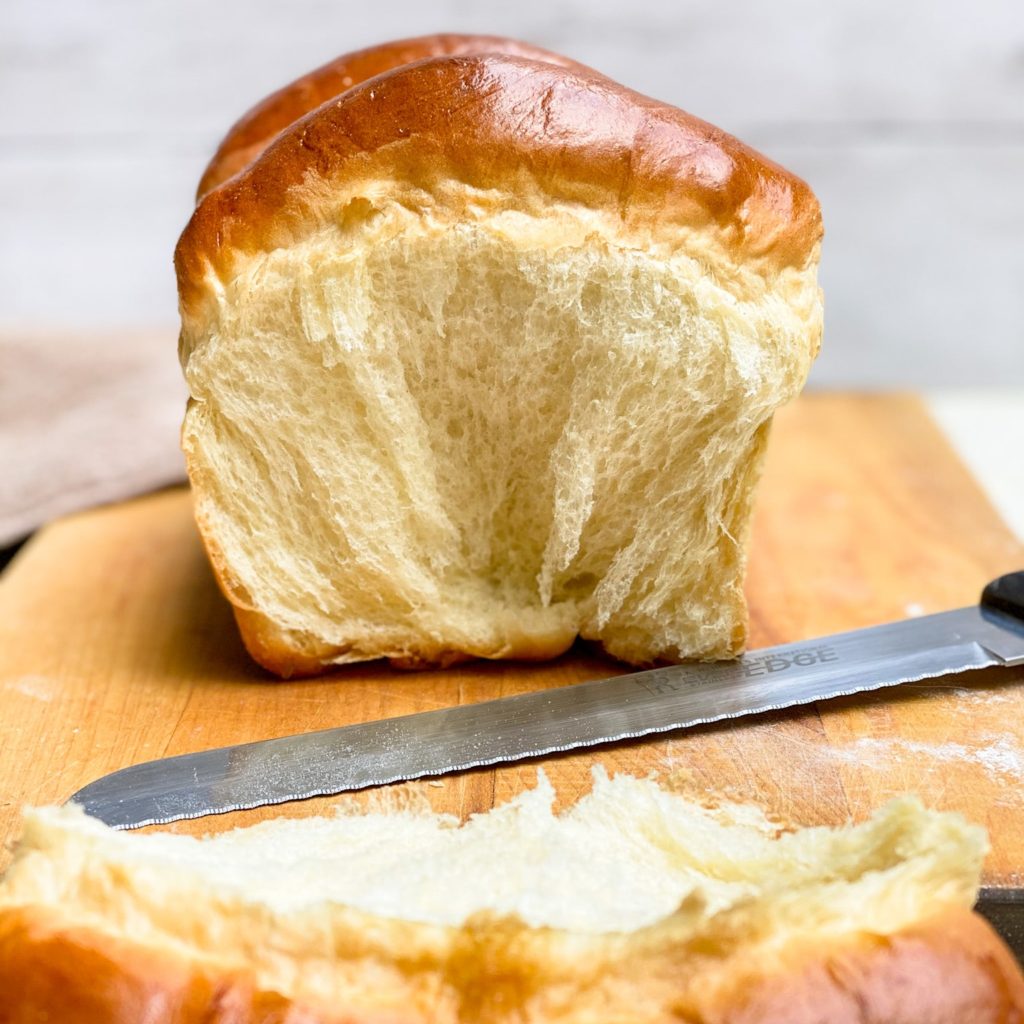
907	119
987	430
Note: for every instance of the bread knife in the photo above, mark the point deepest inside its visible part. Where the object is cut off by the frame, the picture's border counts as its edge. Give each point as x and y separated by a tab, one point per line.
531	725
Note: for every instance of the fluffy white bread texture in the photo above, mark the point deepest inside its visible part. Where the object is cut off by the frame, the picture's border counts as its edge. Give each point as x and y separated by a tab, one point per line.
629	856
635	905
414	439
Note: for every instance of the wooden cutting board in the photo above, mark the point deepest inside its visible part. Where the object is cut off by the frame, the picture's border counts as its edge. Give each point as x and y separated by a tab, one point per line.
116	647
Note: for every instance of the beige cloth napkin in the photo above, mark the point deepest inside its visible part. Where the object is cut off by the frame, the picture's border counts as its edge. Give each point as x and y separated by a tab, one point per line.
85	419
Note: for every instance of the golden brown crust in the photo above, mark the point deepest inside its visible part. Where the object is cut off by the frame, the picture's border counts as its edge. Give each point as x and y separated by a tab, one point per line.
951	969
477	135
79	976
271	647
251	134
291	655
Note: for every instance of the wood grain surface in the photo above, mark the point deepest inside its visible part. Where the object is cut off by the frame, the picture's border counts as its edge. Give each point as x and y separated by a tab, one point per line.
116	647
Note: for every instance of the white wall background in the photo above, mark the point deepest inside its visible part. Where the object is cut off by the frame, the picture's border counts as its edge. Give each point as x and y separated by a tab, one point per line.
906	116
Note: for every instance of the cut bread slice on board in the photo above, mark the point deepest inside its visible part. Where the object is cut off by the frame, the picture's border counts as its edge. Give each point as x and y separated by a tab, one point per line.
633	905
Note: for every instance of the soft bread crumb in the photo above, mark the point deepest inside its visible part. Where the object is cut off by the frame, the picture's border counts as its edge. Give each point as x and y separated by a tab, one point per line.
630	903
420	440
624	857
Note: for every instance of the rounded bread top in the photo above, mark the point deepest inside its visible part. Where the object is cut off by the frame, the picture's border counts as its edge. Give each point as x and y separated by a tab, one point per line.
470	137
252	133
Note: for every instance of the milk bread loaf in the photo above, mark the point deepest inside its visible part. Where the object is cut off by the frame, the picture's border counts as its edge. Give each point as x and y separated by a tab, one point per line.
482	355
635	905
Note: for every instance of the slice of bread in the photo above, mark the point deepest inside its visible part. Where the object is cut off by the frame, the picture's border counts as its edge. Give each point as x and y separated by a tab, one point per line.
635	905
483	354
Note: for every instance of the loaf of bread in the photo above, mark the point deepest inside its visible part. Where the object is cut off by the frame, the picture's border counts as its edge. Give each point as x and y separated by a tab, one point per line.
483	353
635	905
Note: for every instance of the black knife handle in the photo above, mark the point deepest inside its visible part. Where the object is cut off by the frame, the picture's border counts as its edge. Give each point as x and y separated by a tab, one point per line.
1005	595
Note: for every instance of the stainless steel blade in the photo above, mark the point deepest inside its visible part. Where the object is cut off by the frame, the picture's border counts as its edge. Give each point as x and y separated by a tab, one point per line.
623	707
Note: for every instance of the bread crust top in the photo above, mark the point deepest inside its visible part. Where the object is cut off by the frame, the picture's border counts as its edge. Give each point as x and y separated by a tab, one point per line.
251	134
470	137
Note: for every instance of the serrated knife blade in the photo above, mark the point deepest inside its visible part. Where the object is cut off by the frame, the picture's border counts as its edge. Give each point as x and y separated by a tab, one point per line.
550	721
